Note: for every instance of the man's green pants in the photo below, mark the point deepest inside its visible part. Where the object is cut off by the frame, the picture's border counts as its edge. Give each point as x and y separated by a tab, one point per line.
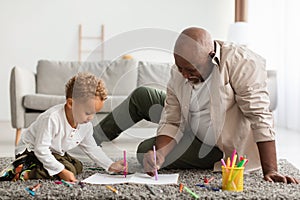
147	103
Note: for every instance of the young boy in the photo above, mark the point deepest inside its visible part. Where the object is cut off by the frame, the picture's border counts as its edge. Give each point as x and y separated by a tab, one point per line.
42	150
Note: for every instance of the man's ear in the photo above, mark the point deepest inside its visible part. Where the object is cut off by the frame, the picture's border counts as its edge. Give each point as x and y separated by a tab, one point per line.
69	103
212	54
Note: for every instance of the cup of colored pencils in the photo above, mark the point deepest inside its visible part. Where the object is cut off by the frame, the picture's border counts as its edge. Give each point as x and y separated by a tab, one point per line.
233	173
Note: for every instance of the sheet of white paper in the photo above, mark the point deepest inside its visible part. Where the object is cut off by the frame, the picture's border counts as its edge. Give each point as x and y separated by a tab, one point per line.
107	179
162	179
134	178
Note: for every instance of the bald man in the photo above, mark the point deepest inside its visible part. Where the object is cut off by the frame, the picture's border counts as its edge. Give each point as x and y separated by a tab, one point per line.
216	101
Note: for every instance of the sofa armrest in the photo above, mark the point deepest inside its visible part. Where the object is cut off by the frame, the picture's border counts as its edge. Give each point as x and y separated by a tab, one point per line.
272	88
22	82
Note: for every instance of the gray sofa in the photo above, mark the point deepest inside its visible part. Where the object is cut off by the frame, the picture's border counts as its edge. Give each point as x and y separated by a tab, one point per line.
33	92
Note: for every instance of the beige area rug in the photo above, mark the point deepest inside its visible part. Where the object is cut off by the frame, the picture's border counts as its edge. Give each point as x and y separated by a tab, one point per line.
254	186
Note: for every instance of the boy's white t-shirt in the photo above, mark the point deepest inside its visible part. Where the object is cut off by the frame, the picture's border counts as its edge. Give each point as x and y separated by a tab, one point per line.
51	132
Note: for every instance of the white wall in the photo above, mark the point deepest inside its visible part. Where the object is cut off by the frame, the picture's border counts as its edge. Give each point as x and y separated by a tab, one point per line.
48	29
276	38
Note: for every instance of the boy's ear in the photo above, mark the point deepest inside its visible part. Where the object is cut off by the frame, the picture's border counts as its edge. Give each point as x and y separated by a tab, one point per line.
69	103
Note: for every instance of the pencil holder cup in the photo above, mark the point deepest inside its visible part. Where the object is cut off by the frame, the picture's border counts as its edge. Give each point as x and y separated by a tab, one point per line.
233	178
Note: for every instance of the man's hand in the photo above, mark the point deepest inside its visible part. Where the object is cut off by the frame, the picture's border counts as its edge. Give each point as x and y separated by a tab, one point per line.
67	175
276	177
149	163
267	152
164	145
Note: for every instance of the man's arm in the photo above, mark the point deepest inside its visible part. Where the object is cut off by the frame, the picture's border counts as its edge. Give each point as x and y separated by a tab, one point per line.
249	81
169	131
165	144
268	159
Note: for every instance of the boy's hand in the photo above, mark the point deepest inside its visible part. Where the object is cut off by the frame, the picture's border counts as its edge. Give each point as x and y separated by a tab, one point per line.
67	175
118	167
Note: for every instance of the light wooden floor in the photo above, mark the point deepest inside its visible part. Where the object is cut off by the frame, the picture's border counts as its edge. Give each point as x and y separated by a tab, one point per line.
288	143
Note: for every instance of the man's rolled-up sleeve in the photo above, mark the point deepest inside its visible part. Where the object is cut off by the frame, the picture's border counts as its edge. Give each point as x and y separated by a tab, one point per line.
249	80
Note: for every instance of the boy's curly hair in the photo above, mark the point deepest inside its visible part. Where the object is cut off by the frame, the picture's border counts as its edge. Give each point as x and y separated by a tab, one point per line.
85	85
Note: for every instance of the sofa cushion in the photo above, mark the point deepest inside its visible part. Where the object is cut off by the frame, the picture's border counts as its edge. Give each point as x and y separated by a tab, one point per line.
154	74
272	88
120	76
42	102
53	75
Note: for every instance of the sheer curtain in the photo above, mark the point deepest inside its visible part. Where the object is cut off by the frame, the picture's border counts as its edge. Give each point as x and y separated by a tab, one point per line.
275	34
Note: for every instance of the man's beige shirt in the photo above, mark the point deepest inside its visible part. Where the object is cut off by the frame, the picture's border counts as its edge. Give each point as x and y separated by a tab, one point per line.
239	103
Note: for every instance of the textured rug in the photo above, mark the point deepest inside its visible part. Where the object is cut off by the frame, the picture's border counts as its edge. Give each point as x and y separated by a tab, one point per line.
254	186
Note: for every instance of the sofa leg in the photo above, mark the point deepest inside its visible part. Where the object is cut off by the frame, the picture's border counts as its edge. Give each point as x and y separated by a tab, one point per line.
18	136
